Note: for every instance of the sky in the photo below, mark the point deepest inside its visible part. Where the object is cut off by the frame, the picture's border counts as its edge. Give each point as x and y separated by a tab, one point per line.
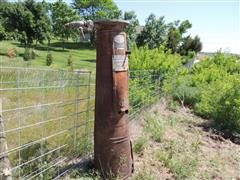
216	22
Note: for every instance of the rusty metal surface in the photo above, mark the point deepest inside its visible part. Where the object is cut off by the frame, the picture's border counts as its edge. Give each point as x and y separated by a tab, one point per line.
112	149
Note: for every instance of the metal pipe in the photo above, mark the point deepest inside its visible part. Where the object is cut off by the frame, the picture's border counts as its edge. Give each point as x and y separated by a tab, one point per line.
112	147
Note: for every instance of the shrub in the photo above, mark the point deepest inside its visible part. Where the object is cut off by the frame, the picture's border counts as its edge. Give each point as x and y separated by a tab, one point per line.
211	87
221	102
70	60
27	55
49	59
144	58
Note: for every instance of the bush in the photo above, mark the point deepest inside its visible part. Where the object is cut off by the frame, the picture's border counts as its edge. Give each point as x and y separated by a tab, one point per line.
144	58
221	101
27	55
212	88
70	60
49	59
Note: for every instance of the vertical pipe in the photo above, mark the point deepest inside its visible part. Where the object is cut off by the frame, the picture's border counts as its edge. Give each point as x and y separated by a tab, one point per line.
112	149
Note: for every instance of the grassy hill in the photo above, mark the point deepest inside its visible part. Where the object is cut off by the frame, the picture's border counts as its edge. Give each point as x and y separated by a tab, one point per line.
83	55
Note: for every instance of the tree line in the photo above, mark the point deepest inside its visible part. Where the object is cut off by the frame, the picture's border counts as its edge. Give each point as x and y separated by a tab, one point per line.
31	21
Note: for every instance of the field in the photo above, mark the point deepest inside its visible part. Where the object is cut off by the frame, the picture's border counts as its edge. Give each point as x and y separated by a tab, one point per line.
83	55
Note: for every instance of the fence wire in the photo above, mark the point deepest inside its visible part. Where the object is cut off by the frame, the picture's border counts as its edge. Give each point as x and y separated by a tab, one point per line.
49	115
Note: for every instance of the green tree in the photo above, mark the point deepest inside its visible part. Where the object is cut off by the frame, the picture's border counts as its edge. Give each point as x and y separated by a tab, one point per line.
3	6
190	44
96	10
29	20
176	31
133	23
62	14
154	32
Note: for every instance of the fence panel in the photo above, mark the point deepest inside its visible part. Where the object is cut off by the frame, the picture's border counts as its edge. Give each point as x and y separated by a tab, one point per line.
48	116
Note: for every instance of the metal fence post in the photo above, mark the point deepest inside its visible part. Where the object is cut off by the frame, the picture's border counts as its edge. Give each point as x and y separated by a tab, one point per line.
5	165
112	149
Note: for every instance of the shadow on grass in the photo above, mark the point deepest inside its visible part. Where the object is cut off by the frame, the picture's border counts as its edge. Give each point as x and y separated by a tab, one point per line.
89	60
219	134
58	46
44	48
83	169
72	45
3	54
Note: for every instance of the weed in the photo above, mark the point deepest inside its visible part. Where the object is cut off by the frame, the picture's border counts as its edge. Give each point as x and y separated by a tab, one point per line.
172	121
85	175
195	145
155	128
144	175
178	160
140	144
173	105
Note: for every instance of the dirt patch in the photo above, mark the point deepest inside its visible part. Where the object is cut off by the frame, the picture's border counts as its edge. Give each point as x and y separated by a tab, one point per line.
187	150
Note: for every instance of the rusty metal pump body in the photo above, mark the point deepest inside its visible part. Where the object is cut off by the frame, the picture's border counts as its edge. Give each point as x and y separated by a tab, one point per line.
112	149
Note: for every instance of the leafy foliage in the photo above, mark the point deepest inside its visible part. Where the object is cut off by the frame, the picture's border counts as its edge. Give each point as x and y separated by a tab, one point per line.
94	10
62	14
153	33
28	20
211	88
156	33
144	58
133	23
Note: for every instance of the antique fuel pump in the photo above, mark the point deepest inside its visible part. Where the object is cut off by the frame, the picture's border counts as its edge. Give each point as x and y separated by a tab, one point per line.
112	148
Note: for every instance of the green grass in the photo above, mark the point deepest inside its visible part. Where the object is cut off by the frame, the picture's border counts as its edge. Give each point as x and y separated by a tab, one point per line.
140	144
145	174
83	55
176	157
155	128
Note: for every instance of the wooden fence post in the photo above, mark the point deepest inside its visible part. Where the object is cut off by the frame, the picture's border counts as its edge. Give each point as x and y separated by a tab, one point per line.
5	165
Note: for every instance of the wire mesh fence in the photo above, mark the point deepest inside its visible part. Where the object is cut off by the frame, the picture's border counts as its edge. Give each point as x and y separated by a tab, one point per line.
144	90
48	116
